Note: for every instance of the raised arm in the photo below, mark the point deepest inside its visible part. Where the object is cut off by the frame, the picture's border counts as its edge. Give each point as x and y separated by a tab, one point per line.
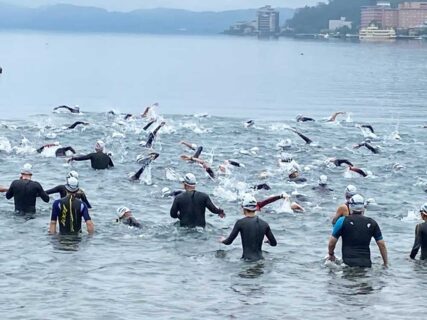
267	201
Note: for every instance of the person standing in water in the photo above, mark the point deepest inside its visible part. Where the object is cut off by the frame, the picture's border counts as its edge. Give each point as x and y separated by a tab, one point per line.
252	230
421	236
98	159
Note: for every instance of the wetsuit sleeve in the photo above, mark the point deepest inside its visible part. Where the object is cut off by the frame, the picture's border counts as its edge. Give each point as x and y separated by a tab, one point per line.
337	231
233	234
83	158
85	212
198	152
10	192
211	207
267	201
271	239
42	194
86	201
210	173
56	208
175	208
53	190
111	164
417	243
377	233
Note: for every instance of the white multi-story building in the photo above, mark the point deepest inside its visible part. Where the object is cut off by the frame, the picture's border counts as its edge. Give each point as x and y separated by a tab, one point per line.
268	21
338	24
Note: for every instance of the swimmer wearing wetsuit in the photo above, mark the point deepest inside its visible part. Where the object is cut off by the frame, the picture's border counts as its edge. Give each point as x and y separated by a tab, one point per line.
420	236
153	134
369	127
339	162
145	162
305	138
148	125
359	171
77	123
189	207
60	152
344	209
369	146
98	159
70	211
357	231
294	176
301	118
252	230
62	190
71	109
125	216
25	192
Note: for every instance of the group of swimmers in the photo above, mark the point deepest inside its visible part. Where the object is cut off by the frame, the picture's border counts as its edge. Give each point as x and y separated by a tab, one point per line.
189	205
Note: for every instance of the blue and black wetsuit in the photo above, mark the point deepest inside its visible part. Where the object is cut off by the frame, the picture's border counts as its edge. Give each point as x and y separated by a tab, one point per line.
356	231
252	231
420	241
69	211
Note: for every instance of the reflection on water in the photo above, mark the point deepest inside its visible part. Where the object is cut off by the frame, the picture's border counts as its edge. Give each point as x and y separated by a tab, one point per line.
66	242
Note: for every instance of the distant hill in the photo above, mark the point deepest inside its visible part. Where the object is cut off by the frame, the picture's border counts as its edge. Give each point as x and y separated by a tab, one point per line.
71	18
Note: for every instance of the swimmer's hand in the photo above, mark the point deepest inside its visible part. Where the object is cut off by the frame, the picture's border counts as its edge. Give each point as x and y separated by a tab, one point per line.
221	214
331	257
221	239
70	160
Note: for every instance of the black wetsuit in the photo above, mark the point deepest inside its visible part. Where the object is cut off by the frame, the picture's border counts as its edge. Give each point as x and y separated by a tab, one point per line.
305	138
151	137
25	193
148	125
63	192
144	164
322	188
72	110
356	231
304	119
98	160
62	152
198	152
190	206
298	180
252	231
173	193
263	186
75	124
339	162
420	241
131	222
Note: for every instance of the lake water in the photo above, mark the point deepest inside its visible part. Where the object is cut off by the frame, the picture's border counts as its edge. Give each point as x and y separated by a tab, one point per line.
162	272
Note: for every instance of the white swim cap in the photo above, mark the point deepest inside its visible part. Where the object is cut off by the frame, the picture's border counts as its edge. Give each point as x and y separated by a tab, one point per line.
100	145
190	179
73	173
350	191
323	180
249	202
165	191
423	209
27	169
72	184
121	211
292	170
357	203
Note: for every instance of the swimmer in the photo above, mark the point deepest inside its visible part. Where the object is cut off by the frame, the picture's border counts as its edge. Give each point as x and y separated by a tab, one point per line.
125	216
145	162
59	152
252	231
190	206
339	162
148	109
148	124
262	186
71	109
166	193
335	115
287	161
3	189
128	116
62	190
75	124
294	175
322	186
70	211
368	126
205	165
249	123
344	209
359	171
152	135
284	144
98	159
294	206
368	146
301	118
421	236
198	149
305	138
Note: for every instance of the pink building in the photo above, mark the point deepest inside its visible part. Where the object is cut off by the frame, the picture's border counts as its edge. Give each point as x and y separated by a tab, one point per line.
412	14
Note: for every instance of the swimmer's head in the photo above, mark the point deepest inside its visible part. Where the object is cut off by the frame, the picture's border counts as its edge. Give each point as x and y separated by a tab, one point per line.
293	172
350	191
423	211
189	180
165	191
249	202
121	211
323	180
72	185
73	173
27	170
356	204
100	145
286	157
299	117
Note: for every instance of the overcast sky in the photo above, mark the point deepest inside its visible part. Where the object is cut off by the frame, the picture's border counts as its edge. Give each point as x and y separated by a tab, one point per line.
198	5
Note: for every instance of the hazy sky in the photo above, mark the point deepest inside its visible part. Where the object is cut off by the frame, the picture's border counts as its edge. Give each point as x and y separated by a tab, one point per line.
126	5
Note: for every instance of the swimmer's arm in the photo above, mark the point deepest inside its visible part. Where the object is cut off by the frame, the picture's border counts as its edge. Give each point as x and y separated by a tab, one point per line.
417	243
296	207
81	158
271	239
335	115
188	145
331	248
144	114
54	190
174	209
10	193
54	217
52	227
341	211
110	163
42	194
383	250
89	224
359	171
198	152
90	227
86	201
267	201
213	208
3	189
233	234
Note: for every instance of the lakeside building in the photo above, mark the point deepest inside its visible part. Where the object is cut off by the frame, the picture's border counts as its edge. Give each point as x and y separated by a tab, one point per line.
338	24
268	22
407	15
